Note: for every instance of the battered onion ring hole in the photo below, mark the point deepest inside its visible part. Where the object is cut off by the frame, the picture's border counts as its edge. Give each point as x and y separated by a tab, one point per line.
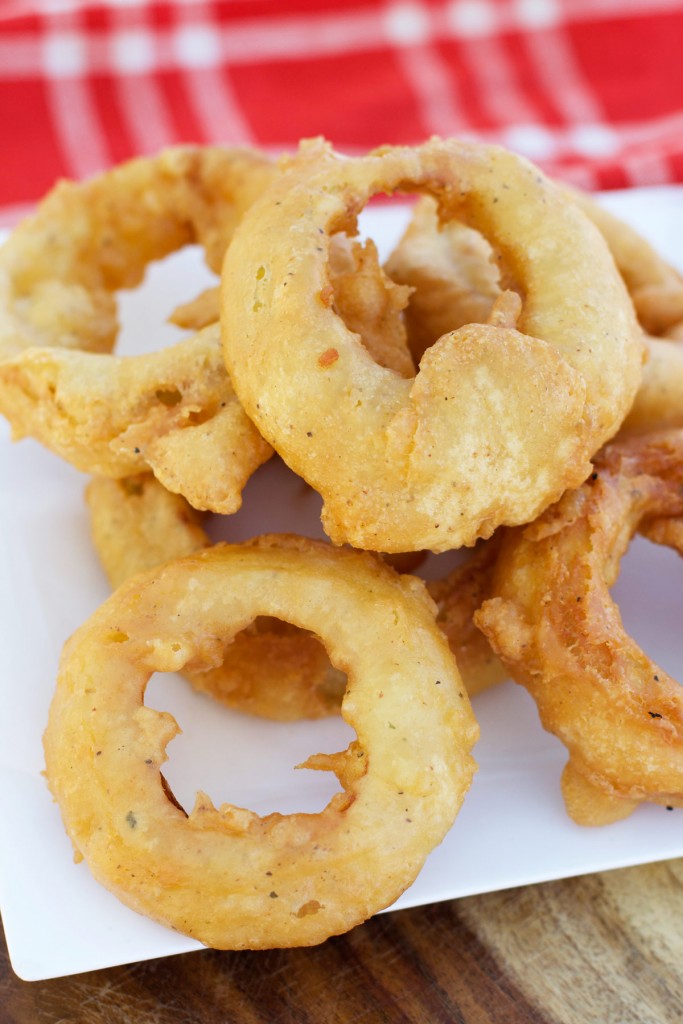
452	274
225	875
392	318
498	421
275	670
238	755
393	311
149	320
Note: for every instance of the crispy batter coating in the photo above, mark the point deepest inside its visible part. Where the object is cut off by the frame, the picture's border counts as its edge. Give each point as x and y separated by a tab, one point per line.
199	312
271	668
656	289
61	267
226	876
458	596
654	285
553	623
498	421
658	404
137	525
175	411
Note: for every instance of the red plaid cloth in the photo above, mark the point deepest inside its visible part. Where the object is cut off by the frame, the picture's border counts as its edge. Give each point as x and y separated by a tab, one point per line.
592	90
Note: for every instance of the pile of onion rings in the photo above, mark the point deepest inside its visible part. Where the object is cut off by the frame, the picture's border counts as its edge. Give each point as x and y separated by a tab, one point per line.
465	393
656	289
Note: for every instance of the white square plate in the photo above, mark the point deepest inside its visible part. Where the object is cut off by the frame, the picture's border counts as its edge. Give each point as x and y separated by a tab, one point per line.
513	829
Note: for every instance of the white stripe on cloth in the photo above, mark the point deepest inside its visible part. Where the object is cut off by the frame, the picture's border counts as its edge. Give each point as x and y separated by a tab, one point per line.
561	78
593	140
496	77
597	10
291	38
581	176
433	86
253	40
140	96
243	42
534	141
432	82
198	54
477	18
64	66
652	131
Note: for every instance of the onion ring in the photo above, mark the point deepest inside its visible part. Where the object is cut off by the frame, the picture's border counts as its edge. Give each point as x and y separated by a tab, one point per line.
60	268
443	459
553	623
656	289
271	669
173	411
228	877
658	405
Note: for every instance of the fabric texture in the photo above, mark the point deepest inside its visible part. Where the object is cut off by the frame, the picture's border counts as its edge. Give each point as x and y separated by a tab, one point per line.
592	90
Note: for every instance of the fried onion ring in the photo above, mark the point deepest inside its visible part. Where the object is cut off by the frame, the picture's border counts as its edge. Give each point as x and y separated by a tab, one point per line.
271	669
656	289
498	421
60	268
227	877
553	623
173	411
658	404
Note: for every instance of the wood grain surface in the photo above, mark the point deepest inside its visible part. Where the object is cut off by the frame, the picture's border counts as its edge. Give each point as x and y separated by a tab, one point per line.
602	949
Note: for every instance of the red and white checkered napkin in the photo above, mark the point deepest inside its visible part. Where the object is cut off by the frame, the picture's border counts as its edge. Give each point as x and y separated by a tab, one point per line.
590	89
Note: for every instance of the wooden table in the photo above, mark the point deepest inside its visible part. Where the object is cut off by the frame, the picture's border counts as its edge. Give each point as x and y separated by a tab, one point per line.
602	949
